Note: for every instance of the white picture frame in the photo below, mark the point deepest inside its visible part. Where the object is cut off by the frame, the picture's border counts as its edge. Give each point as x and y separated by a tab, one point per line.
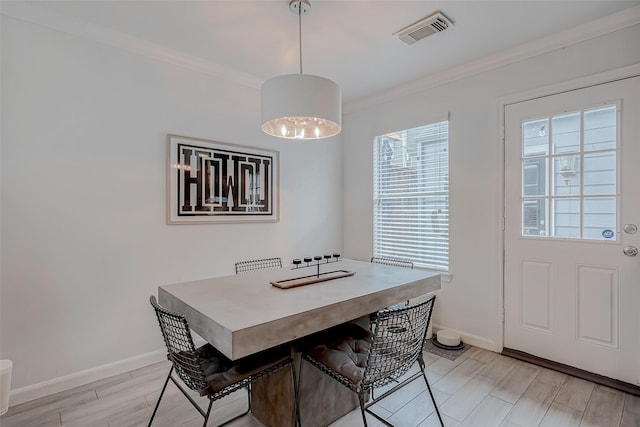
216	182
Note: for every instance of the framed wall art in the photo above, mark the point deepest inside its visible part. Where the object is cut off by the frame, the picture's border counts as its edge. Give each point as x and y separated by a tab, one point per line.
216	182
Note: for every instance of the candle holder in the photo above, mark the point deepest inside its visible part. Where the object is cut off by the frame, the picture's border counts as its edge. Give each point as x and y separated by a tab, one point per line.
316	277
309	261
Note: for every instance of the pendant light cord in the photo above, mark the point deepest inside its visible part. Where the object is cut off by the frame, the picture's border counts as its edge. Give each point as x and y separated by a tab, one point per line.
300	32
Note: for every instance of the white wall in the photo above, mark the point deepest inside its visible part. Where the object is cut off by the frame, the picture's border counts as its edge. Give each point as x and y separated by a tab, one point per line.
84	233
469	303
84	239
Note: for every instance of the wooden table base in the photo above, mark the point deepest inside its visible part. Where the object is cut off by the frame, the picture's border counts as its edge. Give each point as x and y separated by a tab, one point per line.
322	399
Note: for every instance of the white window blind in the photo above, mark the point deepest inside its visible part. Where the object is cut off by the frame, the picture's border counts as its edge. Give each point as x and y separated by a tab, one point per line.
411	195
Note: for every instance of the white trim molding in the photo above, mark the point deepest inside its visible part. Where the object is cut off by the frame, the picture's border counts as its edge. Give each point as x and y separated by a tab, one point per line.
470	339
608	24
67	24
76	379
575	84
36	15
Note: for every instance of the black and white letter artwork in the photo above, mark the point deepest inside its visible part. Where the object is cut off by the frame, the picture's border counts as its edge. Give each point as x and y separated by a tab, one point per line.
216	182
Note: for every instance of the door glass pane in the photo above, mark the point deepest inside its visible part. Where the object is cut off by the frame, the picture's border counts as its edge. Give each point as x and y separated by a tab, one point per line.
535	138
600	129
566	218
600	218
600	173
566	133
534	217
534	177
577	198
566	175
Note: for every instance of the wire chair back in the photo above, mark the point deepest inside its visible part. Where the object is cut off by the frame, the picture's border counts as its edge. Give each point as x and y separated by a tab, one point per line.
398	339
396	262
258	264
181	350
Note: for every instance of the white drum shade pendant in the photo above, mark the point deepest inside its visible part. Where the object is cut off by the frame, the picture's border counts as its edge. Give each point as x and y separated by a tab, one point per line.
301	106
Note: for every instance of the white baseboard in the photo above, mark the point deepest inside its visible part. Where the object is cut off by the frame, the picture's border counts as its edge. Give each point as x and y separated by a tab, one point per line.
67	382
471	339
56	385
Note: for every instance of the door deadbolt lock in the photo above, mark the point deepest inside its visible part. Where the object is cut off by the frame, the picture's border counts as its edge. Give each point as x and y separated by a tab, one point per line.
630	251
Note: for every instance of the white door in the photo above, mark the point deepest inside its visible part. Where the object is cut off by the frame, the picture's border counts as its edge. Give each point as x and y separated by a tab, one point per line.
572	204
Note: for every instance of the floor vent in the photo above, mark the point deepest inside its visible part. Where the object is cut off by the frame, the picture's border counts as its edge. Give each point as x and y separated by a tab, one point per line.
425	27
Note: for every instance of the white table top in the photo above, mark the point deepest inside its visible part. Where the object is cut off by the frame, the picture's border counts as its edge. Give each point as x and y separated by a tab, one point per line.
243	314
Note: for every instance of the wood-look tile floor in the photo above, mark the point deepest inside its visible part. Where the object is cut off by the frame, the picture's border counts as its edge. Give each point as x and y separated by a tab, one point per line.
479	389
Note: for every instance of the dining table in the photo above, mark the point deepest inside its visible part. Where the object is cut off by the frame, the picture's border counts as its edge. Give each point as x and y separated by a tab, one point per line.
243	314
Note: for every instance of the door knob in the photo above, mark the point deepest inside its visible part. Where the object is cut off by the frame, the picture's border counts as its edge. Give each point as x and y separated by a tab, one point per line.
630	228
630	251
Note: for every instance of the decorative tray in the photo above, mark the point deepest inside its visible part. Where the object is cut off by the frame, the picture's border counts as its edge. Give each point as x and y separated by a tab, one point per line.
312	278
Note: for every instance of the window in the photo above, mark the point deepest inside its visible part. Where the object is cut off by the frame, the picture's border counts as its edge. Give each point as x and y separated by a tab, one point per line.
569	175
411	195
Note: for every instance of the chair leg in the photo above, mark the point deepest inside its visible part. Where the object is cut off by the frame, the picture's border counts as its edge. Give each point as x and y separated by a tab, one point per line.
249	397
164	387
206	417
435	405
361	400
248	387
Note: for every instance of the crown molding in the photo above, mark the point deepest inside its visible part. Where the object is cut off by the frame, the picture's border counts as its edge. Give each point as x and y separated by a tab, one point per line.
36	15
66	24
608	24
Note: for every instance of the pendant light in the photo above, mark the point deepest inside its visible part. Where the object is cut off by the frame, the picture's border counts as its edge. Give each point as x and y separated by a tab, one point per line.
301	106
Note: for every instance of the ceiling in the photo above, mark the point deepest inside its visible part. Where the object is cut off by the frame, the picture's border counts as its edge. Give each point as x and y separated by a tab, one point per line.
348	41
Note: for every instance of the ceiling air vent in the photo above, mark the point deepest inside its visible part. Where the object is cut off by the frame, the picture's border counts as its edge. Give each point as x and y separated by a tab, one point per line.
425	27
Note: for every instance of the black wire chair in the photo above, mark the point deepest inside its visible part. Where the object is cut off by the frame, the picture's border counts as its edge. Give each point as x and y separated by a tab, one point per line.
258	264
397	262
209	372
364	360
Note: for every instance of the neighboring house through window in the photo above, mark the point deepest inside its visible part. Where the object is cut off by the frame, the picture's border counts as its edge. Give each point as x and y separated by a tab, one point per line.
411	195
569	175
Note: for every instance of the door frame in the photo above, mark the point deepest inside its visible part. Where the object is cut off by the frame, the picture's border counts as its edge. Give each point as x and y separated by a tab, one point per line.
555	89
